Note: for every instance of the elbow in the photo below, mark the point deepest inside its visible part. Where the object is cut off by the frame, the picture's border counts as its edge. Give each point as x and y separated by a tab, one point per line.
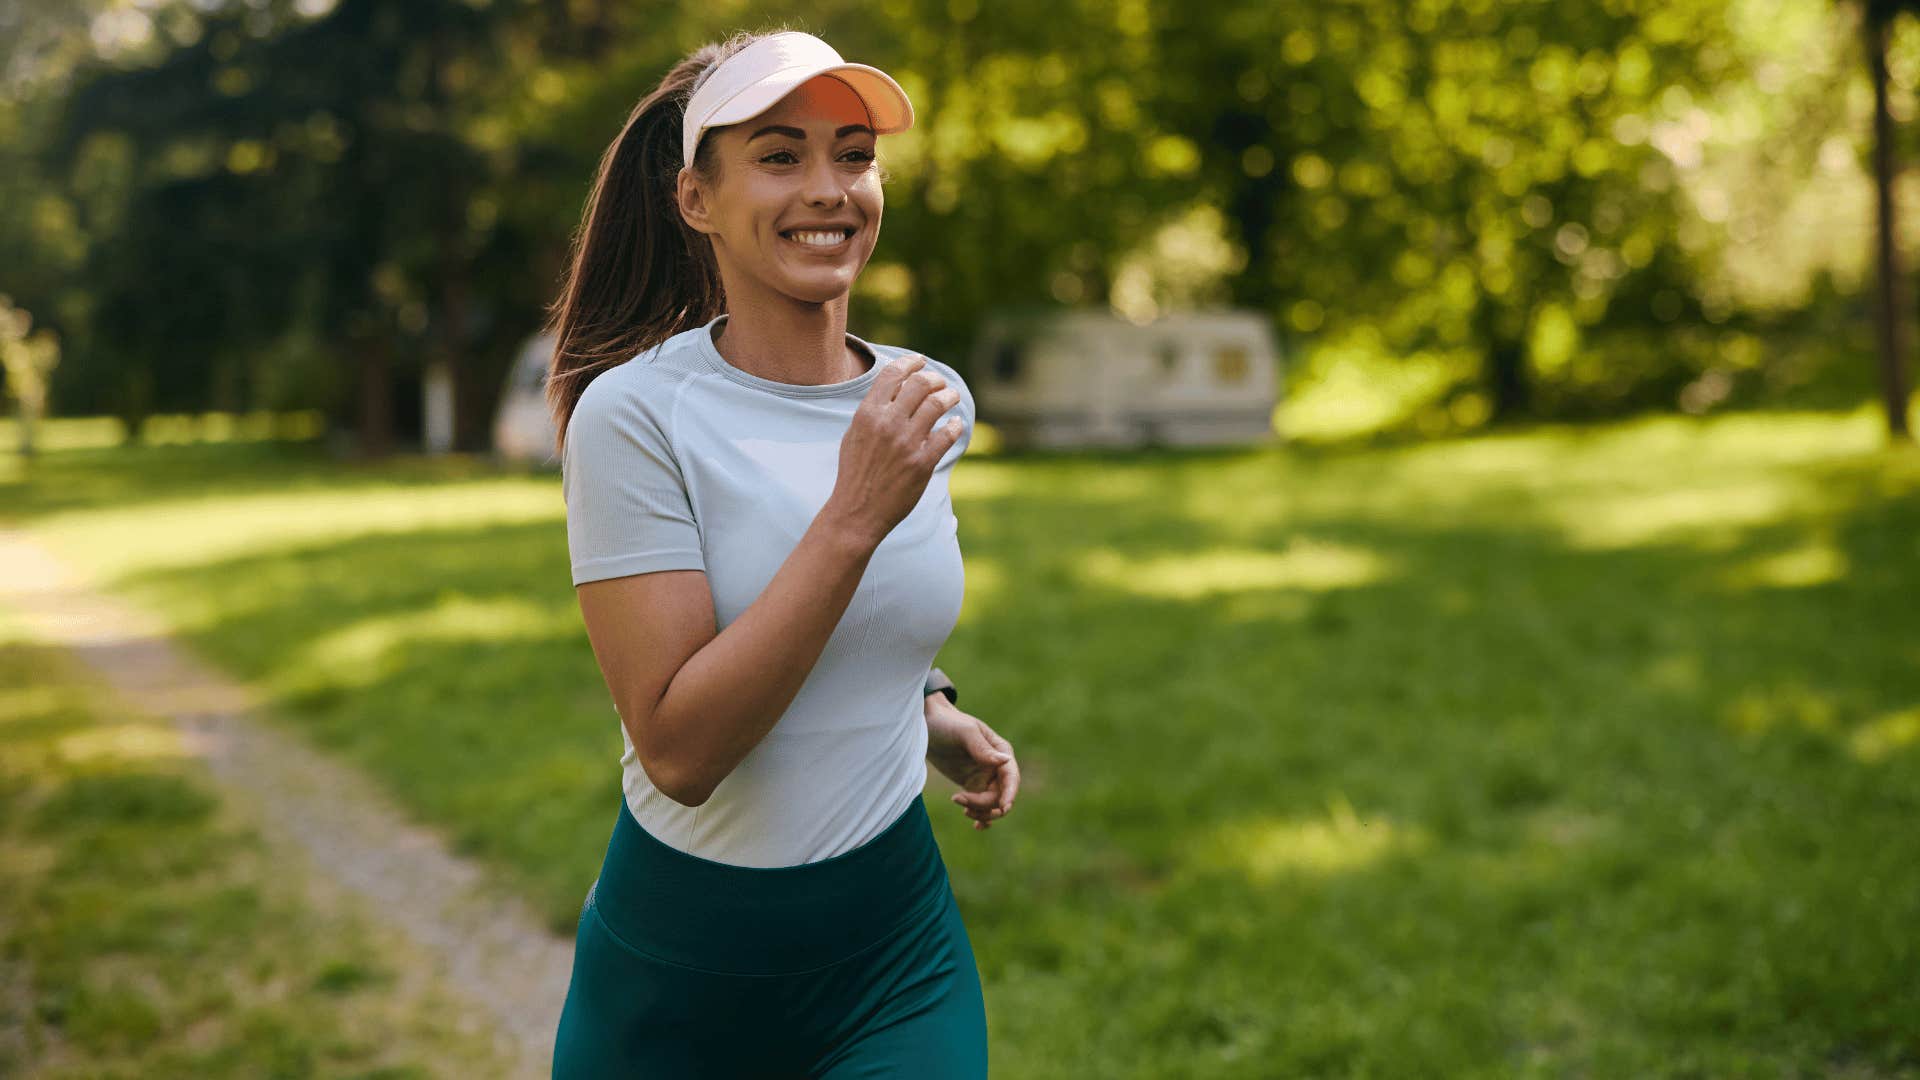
689	794
675	781
678	784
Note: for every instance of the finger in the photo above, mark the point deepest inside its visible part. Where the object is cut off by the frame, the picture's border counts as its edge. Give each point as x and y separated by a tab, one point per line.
887	383
992	800
1008	776
914	388
932	408
980	813
980	800
942	440
977	815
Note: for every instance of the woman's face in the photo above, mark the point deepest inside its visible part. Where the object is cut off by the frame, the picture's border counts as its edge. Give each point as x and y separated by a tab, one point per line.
804	166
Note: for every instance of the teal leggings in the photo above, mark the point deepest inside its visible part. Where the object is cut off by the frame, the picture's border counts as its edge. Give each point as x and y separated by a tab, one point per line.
855	966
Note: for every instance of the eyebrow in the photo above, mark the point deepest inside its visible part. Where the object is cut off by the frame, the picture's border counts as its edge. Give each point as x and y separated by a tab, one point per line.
794	132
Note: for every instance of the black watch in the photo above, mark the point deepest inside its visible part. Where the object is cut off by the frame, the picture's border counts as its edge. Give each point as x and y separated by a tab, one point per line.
937	681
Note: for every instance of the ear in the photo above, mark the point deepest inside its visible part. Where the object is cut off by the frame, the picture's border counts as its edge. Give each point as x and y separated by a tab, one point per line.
691	199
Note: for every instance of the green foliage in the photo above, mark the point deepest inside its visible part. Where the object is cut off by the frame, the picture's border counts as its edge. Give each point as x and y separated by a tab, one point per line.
248	205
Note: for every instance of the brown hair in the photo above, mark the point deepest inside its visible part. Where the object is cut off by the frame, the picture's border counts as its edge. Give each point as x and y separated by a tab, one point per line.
639	273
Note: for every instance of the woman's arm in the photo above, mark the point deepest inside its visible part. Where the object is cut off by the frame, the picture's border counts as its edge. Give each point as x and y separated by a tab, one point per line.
733	688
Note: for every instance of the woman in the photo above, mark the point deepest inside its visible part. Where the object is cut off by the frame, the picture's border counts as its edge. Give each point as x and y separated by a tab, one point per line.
767	562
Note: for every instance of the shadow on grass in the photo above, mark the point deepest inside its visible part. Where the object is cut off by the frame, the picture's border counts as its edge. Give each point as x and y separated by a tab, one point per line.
1490	802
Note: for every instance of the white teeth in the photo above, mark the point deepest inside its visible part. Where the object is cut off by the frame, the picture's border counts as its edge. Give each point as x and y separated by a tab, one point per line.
819	239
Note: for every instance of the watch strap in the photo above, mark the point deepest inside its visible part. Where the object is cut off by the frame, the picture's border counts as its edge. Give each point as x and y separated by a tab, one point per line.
937	681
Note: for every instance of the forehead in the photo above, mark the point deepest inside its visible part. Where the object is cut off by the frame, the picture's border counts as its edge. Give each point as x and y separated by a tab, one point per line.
822	100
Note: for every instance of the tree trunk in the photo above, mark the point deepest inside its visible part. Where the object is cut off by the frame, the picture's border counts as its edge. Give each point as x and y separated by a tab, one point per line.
1506	359
376	395
1889	326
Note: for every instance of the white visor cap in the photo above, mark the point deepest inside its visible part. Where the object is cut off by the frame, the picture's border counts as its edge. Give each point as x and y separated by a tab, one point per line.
754	79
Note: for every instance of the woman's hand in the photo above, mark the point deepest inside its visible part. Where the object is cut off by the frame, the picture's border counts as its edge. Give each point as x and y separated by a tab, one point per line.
969	753
891	447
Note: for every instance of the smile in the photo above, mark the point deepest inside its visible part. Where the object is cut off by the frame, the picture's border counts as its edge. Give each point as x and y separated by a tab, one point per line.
829	242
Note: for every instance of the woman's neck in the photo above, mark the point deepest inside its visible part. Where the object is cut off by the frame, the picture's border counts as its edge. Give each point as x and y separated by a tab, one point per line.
791	342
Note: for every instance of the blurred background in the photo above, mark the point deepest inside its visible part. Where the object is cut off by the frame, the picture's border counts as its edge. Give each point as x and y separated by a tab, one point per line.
1493	651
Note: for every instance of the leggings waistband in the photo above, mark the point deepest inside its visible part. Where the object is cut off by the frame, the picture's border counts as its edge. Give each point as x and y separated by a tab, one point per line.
750	920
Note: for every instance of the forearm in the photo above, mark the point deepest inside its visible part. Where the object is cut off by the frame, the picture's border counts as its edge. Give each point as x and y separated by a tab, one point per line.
939	708
730	693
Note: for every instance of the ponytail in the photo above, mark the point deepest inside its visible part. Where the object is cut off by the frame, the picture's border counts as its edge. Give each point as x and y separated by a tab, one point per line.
639	273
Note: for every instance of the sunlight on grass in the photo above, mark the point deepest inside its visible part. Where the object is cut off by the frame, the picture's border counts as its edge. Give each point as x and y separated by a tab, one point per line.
121	743
1884	736
176	428
1718	512
1267	848
1757	712
63	433
1647	454
1635	788
373	648
1815	562
1796	709
1317	565
102	432
205	531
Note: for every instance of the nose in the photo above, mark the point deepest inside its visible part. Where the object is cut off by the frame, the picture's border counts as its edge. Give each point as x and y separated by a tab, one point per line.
823	188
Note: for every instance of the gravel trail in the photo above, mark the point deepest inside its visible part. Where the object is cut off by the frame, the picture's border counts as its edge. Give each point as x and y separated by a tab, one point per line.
491	950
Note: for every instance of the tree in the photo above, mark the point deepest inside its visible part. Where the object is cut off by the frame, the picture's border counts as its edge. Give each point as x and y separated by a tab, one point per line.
1889	316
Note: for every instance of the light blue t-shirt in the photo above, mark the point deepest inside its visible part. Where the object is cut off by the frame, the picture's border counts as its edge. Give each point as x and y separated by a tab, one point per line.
677	460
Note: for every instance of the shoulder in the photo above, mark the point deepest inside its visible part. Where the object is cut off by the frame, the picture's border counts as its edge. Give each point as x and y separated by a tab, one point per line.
638	391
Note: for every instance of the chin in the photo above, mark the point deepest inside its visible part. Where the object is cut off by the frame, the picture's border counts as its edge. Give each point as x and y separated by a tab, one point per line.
821	291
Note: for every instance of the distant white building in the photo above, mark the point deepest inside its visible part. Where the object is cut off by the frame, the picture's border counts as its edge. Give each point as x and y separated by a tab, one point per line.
522	428
1087	378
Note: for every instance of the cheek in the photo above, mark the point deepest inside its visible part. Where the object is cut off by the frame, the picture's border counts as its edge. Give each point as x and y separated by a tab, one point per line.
871	205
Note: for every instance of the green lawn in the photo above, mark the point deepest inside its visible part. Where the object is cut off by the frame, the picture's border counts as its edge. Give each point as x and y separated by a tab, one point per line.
142	934
1579	751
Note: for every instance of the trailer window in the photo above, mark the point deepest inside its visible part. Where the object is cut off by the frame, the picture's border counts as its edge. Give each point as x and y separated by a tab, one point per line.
1230	363
1007	361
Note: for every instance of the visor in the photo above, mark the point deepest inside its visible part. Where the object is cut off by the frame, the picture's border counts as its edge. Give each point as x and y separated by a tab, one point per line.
754	79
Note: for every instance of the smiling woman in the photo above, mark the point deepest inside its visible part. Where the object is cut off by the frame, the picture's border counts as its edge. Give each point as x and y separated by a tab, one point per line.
767	562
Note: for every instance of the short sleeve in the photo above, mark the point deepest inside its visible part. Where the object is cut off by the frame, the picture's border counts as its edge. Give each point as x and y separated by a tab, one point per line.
628	511
964	406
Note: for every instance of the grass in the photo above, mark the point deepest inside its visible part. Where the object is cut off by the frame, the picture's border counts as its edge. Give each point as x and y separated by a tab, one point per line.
144	933
1569	751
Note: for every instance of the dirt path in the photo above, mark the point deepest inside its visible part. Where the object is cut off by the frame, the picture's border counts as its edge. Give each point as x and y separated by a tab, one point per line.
489	949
